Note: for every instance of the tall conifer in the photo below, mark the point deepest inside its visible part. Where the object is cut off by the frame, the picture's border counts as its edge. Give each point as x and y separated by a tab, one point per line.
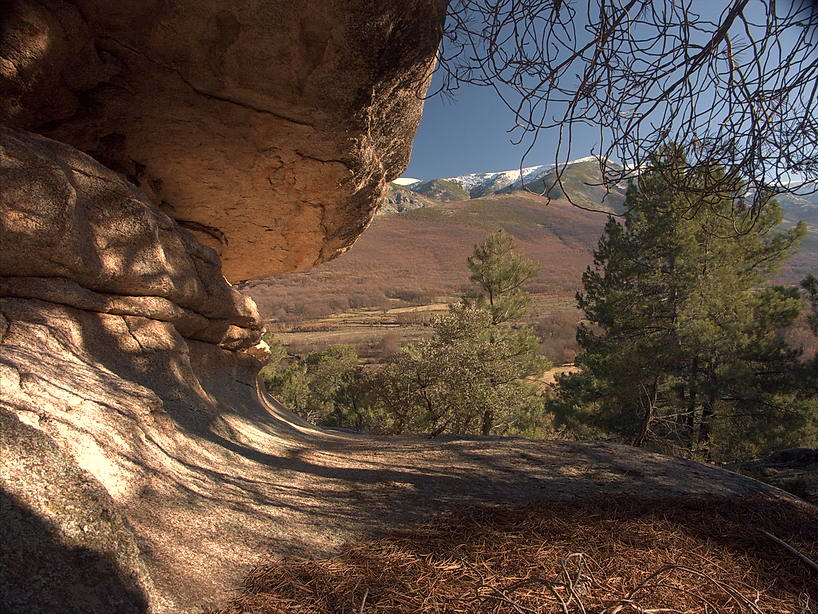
681	330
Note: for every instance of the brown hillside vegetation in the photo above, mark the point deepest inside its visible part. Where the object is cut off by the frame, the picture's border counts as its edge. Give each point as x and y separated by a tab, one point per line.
416	256
604	556
419	255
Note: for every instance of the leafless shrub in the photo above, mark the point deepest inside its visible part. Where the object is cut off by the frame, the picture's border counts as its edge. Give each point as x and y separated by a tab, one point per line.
557	331
389	344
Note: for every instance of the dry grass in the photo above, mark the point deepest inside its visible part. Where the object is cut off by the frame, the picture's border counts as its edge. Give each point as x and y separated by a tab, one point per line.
405	260
609	556
550	376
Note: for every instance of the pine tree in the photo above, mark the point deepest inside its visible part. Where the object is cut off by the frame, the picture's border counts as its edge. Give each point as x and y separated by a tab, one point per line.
470	376
500	275
680	333
810	286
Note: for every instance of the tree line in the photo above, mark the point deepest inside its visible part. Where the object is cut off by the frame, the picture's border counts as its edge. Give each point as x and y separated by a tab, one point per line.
682	347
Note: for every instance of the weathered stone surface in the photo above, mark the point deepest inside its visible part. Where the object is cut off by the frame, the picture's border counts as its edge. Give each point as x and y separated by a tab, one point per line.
264	130
106	305
399	199
78	234
66	546
141	461
794	470
213	477
120	400
269	129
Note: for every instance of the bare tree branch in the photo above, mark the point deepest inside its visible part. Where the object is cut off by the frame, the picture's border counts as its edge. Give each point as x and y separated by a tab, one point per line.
736	88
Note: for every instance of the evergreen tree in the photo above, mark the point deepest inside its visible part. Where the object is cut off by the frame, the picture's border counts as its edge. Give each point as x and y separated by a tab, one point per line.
680	333
470	377
323	387
810	286
499	276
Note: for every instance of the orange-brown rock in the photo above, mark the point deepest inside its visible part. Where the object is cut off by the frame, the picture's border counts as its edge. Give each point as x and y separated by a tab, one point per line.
168	134
143	468
79	234
268	129
111	317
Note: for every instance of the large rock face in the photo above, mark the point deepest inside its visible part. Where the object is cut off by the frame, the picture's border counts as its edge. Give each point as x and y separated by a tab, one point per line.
63	535
148	150
80	234
266	128
111	315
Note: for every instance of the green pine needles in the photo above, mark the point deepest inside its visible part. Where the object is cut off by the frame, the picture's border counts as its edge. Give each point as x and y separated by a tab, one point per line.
682	347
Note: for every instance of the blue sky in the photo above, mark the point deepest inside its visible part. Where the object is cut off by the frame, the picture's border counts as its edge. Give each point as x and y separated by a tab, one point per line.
469	134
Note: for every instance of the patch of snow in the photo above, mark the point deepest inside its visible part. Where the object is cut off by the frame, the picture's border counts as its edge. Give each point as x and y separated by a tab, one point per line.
502	179
406	181
585	159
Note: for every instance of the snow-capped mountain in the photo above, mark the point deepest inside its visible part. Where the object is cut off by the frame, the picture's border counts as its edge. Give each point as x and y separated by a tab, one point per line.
580	179
580	182
800	207
480	184
477	184
514	179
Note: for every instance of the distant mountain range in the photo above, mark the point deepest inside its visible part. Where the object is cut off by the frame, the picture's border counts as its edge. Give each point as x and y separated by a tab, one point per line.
581	180
800	207
418	255
578	180
483	184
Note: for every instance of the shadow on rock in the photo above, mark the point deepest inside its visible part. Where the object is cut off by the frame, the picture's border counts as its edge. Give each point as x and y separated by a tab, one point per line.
66	548
38	573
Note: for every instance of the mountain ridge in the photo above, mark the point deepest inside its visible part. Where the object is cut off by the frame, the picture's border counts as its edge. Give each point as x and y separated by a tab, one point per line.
580	182
489	182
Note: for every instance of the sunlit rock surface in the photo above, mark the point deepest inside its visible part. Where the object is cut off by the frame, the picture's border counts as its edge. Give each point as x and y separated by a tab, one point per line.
113	321
269	129
148	150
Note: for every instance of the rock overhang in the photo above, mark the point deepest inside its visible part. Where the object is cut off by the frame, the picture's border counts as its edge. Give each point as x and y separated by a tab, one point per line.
269	130
148	151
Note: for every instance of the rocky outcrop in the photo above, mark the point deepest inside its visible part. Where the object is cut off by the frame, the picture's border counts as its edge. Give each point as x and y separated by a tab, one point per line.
794	470
111	317
148	149
399	199
63	535
144	471
268	129
81	235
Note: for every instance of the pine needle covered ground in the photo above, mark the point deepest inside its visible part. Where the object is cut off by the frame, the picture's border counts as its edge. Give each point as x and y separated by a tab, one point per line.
605	556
